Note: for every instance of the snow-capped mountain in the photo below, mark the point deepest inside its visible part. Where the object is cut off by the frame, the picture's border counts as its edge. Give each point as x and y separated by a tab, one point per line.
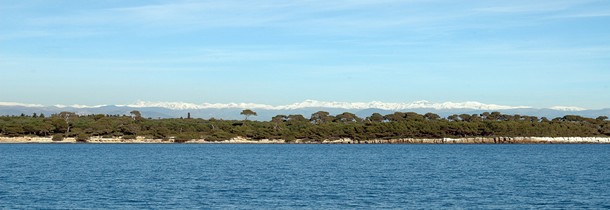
306	108
324	104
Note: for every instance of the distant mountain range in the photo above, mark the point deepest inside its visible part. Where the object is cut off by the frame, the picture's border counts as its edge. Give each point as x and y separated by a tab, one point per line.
305	108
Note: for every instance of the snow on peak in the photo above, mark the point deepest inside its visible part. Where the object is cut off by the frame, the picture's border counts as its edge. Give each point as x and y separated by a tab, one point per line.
311	104
183	106
20	104
567	108
328	104
77	106
398	106
168	105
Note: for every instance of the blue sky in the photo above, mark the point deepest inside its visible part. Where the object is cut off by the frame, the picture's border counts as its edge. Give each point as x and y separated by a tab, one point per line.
532	53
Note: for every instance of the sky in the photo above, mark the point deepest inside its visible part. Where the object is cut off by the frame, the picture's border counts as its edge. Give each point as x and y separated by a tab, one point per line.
517	53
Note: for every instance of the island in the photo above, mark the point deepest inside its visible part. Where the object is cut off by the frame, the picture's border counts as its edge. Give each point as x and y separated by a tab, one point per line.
321	127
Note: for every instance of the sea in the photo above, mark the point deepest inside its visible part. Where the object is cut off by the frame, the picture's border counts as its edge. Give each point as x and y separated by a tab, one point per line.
298	176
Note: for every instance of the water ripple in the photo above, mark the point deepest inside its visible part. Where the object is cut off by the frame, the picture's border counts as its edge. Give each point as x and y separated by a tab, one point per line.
303	176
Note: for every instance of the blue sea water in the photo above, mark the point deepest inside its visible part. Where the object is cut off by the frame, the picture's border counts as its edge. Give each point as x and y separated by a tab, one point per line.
179	176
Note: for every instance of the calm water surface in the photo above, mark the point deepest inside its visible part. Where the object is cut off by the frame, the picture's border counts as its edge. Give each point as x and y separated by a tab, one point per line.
182	176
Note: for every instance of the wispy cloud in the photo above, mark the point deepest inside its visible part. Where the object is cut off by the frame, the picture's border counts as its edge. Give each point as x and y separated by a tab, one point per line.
319	16
169	60
532	6
312	17
208	14
585	15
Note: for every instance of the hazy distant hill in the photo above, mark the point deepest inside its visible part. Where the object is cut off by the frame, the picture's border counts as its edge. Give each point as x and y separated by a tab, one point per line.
265	114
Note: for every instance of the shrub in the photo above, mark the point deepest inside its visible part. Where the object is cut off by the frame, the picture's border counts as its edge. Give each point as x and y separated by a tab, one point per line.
219	136
129	137
183	137
82	137
289	138
58	137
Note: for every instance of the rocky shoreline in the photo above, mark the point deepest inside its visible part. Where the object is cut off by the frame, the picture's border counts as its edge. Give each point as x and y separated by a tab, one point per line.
240	140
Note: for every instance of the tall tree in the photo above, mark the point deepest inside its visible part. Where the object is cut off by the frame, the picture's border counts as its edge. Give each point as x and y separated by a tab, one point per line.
396	117
68	117
453	117
248	113
320	117
279	120
431	116
347	117
375	117
136	115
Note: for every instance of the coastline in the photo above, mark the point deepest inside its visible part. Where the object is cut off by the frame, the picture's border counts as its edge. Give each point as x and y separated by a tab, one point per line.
240	140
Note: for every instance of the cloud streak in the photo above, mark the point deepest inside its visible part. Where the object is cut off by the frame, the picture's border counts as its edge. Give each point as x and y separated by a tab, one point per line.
329	50
322	16
311	18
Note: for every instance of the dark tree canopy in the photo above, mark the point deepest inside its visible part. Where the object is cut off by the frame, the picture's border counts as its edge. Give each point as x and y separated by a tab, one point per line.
247	113
320	117
322	125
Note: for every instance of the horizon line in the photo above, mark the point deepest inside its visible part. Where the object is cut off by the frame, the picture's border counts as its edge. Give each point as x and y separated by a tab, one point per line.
420	104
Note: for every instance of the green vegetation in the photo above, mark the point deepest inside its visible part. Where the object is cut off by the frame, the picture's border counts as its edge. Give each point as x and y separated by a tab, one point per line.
321	125
246	113
58	137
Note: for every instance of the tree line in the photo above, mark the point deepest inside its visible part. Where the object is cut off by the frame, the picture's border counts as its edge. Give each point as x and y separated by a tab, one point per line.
319	126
